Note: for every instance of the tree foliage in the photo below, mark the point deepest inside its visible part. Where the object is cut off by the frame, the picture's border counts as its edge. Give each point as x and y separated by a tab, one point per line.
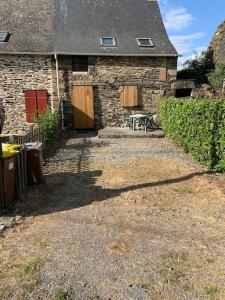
198	67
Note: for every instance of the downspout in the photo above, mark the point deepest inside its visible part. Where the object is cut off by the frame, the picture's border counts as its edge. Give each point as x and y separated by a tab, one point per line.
58	90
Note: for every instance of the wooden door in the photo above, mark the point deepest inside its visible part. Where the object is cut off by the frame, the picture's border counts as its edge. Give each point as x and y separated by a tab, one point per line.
83	107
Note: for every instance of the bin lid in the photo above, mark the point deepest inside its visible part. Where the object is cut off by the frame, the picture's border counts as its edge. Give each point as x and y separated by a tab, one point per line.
32	146
9	150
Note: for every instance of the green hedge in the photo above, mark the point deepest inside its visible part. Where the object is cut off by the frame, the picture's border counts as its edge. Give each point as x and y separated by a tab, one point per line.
198	126
220	139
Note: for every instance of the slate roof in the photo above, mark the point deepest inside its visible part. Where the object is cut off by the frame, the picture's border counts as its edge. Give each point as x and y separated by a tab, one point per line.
76	26
30	24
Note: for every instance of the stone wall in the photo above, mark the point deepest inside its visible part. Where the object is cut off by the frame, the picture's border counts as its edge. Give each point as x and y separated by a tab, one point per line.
18	73
108	75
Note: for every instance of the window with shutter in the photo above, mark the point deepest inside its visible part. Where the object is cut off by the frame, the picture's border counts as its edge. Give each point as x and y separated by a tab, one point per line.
31	105
130	96
35	102
163	74
42	101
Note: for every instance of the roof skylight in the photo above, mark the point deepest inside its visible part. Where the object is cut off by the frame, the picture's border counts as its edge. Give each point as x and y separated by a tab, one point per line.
108	42
4	36
145	42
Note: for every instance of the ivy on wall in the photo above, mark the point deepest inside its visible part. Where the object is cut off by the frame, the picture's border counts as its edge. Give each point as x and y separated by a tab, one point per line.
217	76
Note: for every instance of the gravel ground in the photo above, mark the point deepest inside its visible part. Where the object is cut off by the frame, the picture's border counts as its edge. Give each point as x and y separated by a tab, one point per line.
117	219
118	150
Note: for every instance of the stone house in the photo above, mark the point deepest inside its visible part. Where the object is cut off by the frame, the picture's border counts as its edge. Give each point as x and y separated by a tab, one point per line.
97	60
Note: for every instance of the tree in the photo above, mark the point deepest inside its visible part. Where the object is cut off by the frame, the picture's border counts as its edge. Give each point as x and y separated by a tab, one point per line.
198	67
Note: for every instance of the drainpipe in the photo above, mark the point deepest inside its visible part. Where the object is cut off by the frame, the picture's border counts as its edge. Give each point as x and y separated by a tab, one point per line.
58	91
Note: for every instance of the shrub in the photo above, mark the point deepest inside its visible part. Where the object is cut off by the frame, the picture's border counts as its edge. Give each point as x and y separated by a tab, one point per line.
217	76
49	121
220	138
198	126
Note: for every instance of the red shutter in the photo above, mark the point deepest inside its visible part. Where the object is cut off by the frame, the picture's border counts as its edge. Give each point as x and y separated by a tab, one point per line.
31	105
42	101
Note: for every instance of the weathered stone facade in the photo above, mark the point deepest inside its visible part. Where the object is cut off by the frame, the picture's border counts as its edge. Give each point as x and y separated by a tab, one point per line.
108	75
19	73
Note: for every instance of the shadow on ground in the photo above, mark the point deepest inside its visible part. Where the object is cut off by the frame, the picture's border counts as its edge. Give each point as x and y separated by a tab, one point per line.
68	190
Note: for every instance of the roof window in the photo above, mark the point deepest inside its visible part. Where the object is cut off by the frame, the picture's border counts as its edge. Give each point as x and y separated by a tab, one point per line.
4	36
145	42
108	42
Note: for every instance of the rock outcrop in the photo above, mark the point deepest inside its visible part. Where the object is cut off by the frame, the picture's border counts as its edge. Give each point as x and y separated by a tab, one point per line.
217	44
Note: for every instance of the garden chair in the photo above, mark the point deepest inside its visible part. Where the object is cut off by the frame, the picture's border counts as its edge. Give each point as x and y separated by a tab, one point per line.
127	122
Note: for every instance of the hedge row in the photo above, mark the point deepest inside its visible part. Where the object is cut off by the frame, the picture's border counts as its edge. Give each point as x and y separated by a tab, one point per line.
198	126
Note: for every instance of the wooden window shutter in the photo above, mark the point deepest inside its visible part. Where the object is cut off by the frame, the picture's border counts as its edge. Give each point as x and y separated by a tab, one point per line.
130	96
42	101
31	105
163	74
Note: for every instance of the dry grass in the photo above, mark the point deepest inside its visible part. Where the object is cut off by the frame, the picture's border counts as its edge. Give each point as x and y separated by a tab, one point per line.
120	248
150	228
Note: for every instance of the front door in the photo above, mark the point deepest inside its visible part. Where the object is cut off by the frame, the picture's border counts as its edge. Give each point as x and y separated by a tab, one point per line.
83	107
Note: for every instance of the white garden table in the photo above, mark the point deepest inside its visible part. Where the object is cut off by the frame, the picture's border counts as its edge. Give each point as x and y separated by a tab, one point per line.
135	118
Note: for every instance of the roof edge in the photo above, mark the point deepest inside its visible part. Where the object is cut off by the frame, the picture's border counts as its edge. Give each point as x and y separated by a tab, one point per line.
91	54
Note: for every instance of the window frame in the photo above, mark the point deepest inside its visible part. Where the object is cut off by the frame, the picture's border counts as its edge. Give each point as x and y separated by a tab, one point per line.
81	66
151	44
113	39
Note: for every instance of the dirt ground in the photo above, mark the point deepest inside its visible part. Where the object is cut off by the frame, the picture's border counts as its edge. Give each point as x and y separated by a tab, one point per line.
117	219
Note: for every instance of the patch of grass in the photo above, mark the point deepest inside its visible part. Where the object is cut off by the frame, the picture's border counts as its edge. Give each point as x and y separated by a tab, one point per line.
210	260
172	275
29	286
28	275
187	287
186	190
145	285
172	268
61	295
175	257
32	265
211	292
43	245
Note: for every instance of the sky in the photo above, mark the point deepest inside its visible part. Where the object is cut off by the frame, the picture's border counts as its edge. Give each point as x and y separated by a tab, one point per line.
191	24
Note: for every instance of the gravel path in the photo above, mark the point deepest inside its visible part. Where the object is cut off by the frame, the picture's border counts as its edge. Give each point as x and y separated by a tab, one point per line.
117	219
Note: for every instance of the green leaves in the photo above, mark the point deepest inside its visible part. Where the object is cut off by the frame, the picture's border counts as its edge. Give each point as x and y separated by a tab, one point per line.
49	121
198	67
198	126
